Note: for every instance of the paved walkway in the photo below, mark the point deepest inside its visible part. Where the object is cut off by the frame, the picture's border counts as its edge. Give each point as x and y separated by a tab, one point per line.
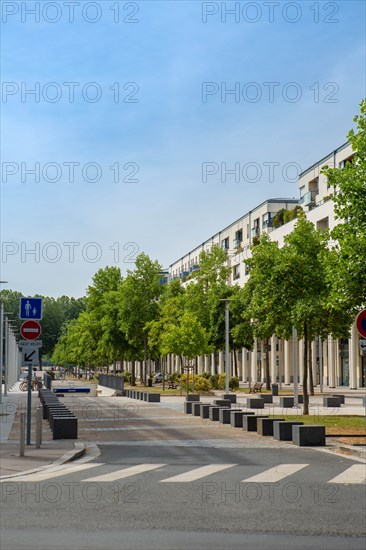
122	421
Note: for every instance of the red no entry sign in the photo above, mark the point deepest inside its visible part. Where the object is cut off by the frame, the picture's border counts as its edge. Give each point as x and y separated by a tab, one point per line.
30	330
361	323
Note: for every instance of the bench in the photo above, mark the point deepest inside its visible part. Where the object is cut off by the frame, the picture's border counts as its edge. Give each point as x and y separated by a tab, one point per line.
256	388
172	386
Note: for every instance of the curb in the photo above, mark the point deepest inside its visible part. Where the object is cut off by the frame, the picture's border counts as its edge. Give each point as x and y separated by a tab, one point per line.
74	454
360	453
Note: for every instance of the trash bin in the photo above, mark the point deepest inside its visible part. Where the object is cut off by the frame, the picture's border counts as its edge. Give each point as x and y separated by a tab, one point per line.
149	383
274	389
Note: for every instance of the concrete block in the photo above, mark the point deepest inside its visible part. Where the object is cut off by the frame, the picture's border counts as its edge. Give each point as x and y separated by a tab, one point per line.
205	410
213	413
265	425
153	397
231	396
331	402
236	418
222	402
250	422
308	436
187	407
224	415
282	429
196	408
65	427
255	403
267	397
286	401
193	397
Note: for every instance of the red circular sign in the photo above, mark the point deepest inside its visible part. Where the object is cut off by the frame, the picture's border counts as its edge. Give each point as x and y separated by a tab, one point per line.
361	323
30	330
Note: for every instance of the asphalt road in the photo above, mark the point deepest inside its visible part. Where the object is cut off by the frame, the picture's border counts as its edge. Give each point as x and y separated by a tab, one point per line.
192	486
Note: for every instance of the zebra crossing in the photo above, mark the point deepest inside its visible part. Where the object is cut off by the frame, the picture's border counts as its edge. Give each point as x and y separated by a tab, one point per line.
353	475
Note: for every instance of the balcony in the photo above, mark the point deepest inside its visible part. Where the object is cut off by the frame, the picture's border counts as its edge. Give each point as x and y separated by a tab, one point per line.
308	199
194	268
237	242
255	231
267	223
183	274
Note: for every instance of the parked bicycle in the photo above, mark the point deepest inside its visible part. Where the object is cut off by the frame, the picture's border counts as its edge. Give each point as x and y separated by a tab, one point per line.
36	384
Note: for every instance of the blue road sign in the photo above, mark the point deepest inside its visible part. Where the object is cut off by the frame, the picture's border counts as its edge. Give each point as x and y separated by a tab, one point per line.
30	308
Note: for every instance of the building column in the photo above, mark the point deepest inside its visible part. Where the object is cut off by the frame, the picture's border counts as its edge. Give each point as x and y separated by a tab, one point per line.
331	363
213	364
286	353
300	359
273	360
199	365
177	363
244	360
253	374
314	362
221	362
353	359
325	363
207	363
263	361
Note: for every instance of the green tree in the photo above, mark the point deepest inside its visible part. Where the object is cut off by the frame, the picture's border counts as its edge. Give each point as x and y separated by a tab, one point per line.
349	184
138	305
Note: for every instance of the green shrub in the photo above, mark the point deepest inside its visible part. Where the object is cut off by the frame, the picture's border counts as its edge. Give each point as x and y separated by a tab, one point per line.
214	379
201	384
126	376
234	383
206	375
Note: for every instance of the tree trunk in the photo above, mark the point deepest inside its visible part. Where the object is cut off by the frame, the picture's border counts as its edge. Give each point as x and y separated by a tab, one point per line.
133	376
163	368
114	366
215	362
181	373
305	373
311	380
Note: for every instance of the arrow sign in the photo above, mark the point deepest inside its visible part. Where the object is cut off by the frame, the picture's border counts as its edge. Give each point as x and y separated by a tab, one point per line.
30	356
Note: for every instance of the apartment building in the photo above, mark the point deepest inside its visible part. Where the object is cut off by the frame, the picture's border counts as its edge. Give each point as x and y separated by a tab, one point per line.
333	362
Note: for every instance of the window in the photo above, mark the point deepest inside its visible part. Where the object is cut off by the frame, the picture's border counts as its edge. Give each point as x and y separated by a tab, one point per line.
267	219
225	243
302	191
236	272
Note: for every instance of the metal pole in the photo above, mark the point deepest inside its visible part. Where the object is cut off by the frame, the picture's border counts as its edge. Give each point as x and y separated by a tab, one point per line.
1	349
295	368
29	404
6	358
227	360
22	434
38	427
320	365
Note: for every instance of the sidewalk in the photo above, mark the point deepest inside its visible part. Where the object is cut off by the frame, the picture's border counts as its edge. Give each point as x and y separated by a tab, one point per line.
50	452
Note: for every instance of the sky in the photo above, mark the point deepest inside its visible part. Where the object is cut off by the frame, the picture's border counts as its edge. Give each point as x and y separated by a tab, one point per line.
148	126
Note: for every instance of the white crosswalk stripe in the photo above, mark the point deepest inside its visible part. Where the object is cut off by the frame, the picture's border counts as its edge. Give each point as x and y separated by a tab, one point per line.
356	474
126	472
54	472
197	473
275	474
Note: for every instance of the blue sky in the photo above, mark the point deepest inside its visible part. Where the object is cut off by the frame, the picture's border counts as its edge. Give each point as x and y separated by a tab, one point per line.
165	135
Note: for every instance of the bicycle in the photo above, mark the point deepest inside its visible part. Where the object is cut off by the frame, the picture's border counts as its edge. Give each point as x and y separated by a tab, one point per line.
36	384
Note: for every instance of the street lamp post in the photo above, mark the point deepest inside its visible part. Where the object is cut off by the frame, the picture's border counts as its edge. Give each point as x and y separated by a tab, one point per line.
227	342
1	345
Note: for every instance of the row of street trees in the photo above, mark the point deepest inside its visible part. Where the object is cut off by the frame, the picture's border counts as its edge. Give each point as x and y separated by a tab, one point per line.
310	284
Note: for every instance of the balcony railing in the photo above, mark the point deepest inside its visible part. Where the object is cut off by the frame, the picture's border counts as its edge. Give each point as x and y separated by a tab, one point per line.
308	198
255	231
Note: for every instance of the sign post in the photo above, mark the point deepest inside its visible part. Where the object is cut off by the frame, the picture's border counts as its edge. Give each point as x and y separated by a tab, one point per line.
30	309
